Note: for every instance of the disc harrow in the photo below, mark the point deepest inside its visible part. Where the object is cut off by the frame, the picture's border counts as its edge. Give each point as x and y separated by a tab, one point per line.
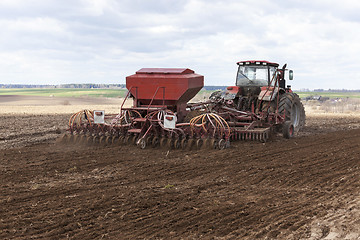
207	130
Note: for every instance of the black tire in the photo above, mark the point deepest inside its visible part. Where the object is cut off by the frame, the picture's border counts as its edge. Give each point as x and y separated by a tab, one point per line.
142	143
268	108
291	105
288	130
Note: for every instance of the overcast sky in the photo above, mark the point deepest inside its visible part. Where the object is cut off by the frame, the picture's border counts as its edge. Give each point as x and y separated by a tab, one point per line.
103	41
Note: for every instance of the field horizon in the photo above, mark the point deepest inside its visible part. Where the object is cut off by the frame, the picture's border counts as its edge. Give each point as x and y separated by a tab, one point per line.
121	92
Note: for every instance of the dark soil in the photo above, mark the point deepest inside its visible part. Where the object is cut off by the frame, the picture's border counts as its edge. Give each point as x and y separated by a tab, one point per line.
253	190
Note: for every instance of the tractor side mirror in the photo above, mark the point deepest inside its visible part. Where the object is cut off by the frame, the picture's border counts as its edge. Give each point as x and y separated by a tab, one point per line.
291	75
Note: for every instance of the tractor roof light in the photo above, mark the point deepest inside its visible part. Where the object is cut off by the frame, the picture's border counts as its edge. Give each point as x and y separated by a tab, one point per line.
257	62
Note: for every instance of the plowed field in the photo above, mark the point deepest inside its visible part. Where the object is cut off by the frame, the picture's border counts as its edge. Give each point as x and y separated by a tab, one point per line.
304	188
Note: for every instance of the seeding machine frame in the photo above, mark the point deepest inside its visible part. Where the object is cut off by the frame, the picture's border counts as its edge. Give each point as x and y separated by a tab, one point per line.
161	114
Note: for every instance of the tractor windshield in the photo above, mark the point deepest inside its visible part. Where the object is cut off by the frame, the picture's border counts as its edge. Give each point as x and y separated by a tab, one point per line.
254	75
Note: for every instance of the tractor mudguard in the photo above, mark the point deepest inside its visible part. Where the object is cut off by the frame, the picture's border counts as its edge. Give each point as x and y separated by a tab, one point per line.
268	93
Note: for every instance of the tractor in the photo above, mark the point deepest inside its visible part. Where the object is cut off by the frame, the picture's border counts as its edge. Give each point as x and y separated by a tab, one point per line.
260	88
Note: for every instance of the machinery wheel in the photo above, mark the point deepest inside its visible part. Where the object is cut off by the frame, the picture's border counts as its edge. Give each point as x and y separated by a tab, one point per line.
142	143
291	105
288	130
113	140
222	144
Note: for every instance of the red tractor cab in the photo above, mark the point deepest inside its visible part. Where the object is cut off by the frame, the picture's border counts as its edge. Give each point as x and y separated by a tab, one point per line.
260	88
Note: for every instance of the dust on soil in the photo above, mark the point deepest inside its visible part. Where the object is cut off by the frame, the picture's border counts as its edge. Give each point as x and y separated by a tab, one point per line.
303	188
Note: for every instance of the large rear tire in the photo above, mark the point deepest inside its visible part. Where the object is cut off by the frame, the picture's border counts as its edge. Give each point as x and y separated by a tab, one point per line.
291	105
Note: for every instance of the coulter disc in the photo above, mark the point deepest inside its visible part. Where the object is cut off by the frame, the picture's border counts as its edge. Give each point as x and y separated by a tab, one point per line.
212	143
199	143
102	141
120	140
126	139
95	140
149	140
190	143
108	140
163	142
183	143
89	140
155	142
133	139
177	143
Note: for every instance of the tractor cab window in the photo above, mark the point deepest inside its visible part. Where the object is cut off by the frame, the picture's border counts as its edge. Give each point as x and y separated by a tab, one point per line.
254	75
272	71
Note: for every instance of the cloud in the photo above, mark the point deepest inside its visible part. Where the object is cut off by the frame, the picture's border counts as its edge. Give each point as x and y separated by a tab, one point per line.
103	41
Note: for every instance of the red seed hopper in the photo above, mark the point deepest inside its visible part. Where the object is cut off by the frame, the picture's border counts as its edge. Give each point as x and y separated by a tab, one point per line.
171	87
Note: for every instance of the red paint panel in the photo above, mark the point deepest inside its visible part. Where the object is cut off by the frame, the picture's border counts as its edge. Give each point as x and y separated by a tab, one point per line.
233	89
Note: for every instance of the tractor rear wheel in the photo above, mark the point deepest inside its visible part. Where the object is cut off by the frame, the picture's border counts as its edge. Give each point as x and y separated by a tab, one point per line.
291	105
288	130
